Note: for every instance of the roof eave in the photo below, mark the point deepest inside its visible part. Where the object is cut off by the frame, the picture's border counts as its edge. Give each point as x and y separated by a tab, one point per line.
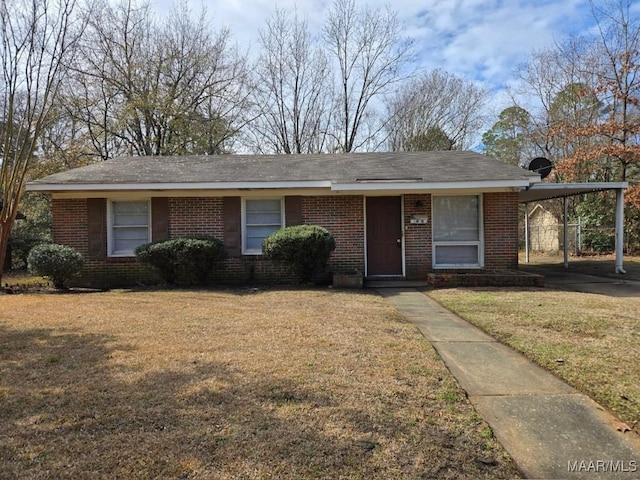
362	186
433	186
115	187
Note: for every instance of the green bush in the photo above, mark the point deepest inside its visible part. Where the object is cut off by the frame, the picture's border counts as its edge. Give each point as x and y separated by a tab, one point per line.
305	248
160	257
183	260
19	247
59	263
598	215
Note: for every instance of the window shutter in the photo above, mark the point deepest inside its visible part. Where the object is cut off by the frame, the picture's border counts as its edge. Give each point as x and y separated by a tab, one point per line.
96	227
159	219
232	228
293	210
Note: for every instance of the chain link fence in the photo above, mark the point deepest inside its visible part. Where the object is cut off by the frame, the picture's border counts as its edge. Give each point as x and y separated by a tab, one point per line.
581	239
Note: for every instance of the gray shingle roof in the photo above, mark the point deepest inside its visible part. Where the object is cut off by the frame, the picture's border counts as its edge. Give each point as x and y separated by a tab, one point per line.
427	167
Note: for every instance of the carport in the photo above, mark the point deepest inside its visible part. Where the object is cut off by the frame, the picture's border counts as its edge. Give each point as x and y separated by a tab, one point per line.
548	191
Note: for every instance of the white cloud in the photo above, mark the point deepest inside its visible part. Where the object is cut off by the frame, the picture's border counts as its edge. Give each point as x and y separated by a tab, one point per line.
485	40
479	39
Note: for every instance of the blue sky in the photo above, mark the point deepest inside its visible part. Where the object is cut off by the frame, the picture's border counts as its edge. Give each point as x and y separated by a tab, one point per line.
480	40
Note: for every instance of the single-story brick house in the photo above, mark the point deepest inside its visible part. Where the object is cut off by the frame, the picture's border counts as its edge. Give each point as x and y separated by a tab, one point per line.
392	214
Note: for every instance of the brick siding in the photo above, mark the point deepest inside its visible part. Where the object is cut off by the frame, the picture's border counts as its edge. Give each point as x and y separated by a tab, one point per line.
417	238
501	230
342	215
201	216
70	228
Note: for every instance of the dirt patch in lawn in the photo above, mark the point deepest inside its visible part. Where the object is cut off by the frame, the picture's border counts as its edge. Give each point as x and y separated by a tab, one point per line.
229	384
591	341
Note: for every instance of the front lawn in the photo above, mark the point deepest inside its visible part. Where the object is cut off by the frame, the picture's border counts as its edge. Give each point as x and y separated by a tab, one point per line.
591	341
229	384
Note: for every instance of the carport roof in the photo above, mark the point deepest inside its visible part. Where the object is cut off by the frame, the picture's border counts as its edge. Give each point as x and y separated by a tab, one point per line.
547	191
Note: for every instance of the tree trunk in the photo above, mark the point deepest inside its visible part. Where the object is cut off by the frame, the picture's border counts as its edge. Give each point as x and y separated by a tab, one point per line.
5	229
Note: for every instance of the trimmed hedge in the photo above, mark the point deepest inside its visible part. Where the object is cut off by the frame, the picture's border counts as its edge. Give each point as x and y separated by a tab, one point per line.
305	248
58	263
184	260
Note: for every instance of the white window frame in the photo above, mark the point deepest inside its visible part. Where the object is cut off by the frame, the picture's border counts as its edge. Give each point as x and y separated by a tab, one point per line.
255	251
110	227
479	243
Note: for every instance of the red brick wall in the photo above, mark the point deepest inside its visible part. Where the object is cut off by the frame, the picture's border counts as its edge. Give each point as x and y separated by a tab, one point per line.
70	228
70	223
195	216
501	230
417	238
343	216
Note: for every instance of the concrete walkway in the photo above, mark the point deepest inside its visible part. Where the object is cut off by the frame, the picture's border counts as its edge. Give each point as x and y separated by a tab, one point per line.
550	429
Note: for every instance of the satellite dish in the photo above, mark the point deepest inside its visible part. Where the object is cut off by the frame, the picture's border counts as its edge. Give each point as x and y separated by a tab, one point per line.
541	165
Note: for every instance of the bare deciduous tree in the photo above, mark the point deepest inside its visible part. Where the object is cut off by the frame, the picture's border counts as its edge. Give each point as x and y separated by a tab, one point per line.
548	91
150	88
37	39
292	88
437	102
370	53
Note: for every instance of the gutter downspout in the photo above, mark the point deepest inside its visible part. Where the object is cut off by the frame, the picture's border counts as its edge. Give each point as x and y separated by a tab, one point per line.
526	233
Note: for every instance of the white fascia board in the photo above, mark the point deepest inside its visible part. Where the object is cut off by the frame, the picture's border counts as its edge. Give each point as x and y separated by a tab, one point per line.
426	186
578	186
114	187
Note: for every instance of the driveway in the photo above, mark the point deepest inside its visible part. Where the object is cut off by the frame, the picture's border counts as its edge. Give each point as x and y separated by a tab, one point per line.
559	278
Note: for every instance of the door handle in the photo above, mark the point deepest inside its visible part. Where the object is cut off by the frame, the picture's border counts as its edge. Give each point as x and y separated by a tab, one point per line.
399	242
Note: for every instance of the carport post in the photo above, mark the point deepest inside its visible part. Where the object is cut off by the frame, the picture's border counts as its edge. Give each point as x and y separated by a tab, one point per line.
565	220
620	230
526	232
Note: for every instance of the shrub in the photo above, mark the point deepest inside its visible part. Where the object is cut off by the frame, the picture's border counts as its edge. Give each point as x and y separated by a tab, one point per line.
183	260
598	223
160	257
59	263
305	248
19	247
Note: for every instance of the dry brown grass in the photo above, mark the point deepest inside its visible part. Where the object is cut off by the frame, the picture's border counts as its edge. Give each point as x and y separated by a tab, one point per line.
229	384
591	341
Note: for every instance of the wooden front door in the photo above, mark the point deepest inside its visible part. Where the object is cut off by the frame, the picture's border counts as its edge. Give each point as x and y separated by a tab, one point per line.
384	236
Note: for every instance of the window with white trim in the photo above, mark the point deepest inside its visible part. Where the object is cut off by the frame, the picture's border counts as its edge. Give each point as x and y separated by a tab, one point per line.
129	226
260	218
457	231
